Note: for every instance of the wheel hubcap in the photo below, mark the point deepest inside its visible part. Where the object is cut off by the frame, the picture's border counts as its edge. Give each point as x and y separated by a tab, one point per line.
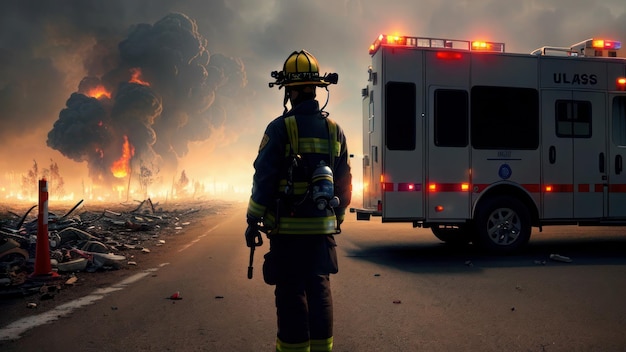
503	226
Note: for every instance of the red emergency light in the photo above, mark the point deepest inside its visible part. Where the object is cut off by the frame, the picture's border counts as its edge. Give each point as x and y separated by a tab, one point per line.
621	83
606	44
449	55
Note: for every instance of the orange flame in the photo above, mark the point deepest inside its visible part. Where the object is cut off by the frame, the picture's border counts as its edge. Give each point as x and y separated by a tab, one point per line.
136	76
121	167
99	92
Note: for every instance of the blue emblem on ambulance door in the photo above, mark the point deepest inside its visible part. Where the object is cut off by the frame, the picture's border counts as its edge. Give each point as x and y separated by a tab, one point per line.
505	171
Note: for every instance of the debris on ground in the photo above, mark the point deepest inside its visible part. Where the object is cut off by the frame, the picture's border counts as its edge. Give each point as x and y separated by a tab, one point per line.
560	258
83	241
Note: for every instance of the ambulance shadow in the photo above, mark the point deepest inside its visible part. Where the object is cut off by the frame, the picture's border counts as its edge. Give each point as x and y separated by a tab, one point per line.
442	258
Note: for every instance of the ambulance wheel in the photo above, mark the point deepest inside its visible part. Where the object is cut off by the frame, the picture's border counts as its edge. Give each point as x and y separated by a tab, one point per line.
457	235
502	224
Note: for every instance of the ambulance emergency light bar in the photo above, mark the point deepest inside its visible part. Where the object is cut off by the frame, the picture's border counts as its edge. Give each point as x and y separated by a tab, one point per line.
606	44
597	47
424	42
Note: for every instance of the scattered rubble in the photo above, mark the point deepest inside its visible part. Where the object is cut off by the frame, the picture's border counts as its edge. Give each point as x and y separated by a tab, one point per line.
72	280
82	241
560	258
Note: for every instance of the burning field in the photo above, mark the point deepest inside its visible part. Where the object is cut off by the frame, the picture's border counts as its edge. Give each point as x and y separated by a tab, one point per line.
143	101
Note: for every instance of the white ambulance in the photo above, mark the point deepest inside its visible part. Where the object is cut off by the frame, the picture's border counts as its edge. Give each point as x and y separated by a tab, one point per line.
481	145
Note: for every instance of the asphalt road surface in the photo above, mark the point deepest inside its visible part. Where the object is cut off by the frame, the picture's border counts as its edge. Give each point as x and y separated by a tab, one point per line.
398	289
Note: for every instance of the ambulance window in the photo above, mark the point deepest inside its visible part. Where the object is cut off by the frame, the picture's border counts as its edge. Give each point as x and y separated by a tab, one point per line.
451	112
504	118
619	121
400	116
573	118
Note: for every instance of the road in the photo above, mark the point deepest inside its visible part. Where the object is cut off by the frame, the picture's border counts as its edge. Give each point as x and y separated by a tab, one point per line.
398	289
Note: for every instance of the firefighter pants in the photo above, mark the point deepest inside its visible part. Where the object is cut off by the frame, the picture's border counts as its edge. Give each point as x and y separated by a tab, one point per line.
304	308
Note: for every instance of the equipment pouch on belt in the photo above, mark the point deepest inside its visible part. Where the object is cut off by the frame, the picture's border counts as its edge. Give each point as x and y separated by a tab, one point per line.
270	268
328	263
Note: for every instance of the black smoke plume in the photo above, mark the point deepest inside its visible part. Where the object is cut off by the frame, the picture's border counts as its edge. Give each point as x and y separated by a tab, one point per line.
158	96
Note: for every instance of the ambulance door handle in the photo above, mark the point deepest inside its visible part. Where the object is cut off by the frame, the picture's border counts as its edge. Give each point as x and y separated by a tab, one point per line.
618	164
601	164
552	154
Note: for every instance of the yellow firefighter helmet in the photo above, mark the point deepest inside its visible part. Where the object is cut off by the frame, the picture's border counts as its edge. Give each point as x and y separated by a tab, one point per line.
302	68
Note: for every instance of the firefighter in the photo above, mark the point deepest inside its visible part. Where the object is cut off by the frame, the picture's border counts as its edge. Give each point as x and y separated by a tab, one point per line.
301	188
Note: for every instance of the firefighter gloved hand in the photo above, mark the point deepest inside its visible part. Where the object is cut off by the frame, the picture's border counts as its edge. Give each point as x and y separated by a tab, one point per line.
253	235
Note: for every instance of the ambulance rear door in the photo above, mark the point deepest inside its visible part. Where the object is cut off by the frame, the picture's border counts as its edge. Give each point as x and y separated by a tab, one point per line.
448	171
402	133
617	156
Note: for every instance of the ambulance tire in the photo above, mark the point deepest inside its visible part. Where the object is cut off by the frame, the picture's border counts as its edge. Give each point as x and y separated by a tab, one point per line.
502	225
458	236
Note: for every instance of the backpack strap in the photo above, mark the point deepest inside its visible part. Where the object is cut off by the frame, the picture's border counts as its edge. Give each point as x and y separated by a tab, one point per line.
333	142
292	132
334	147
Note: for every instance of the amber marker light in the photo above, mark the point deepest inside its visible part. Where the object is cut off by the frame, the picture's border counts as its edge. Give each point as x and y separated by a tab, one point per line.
479	45
548	188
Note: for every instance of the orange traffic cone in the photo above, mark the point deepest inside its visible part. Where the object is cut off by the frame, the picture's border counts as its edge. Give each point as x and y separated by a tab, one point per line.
43	268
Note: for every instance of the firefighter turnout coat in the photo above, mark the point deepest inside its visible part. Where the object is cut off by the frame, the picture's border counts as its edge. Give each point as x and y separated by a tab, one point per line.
293	146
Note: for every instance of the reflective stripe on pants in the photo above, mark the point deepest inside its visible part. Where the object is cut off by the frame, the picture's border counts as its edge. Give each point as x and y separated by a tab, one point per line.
324	345
292	347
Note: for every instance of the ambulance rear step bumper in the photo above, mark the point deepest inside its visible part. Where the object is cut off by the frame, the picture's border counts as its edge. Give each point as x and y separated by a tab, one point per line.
365	214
